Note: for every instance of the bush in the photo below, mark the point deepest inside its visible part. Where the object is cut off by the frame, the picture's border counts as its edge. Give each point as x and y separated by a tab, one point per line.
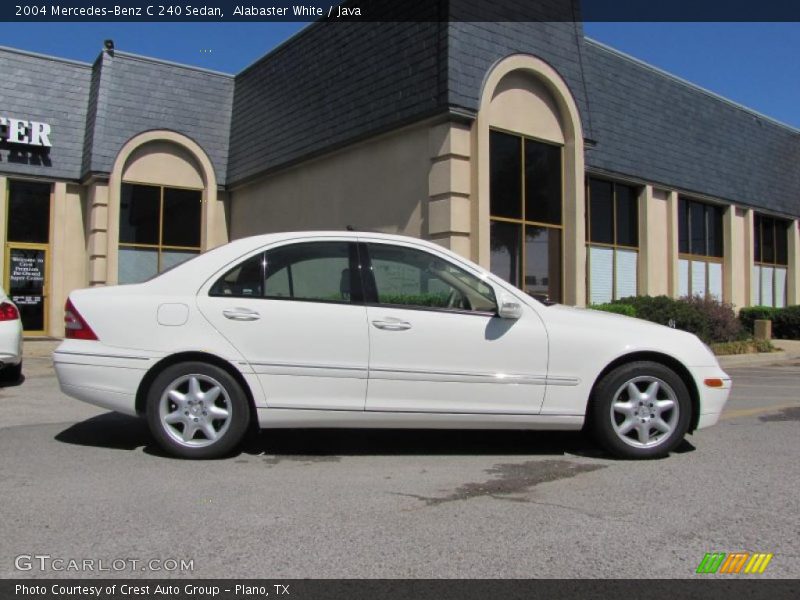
707	318
748	316
616	308
742	347
786	323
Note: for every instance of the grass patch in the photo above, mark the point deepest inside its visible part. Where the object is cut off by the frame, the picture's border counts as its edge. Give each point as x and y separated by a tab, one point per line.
743	347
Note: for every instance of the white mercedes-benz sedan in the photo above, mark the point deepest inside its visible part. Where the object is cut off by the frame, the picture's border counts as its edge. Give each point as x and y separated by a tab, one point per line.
332	329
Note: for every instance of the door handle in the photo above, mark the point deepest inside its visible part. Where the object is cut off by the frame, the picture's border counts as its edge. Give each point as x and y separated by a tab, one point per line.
241	314
392	324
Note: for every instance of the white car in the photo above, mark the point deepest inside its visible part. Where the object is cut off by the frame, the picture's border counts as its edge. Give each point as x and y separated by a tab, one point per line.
327	329
10	340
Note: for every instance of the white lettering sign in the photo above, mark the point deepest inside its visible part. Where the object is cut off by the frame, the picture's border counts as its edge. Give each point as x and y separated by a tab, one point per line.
19	131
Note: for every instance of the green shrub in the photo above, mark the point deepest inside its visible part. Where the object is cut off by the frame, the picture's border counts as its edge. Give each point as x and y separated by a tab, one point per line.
786	323
616	308
707	318
748	316
721	322
742	347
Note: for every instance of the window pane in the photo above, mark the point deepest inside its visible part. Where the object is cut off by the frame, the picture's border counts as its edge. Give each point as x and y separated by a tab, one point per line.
780	288
698	278
601	275
543	262
768	240
29	212
766	285
172	258
409	277
697	224
542	182
715	280
683	278
757	238
626	265
312	271
140	206
182	210
244	280
505	159
137	264
601	208
506	251
715	247
627	216
755	291
683	226
781	242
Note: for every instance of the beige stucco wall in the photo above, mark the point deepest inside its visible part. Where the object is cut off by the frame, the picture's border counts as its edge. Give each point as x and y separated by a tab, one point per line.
736	268
450	187
381	184
522	103
163	163
68	267
655	263
793	278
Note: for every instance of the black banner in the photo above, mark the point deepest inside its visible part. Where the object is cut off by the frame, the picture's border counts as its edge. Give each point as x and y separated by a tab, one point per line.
400	10
737	586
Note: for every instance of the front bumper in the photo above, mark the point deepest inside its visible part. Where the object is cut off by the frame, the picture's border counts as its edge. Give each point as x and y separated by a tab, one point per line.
712	399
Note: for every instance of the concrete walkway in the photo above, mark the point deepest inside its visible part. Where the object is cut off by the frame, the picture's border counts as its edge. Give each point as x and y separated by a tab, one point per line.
788	350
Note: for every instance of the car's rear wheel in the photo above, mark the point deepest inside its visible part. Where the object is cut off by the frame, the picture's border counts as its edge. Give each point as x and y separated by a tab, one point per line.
641	410
197	410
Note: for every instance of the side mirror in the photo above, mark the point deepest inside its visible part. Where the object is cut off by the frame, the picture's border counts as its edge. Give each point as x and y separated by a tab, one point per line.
508	307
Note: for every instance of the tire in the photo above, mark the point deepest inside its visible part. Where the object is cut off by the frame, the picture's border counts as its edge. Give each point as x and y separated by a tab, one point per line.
628	422
11	374
197	410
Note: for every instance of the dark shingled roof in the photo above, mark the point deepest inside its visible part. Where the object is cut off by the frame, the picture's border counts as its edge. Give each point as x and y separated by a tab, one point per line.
658	128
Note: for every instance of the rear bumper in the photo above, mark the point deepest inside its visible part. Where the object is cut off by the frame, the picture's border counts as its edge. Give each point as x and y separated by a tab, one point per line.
712	399
10	343
100	375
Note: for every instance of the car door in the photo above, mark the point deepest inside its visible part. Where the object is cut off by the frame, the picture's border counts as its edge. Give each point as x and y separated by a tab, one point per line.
437	344
296	313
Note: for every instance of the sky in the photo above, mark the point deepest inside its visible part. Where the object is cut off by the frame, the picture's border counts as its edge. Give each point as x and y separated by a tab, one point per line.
754	64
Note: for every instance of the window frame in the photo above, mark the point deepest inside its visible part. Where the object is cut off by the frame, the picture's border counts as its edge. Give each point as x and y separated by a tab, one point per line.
523	223
758	243
160	248
708	209
371	288
615	246
354	260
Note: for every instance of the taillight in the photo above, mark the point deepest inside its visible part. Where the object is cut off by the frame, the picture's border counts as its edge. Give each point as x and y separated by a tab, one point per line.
75	326
8	312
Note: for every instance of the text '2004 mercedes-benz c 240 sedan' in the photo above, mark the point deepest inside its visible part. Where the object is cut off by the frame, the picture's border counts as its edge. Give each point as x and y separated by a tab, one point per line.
326	329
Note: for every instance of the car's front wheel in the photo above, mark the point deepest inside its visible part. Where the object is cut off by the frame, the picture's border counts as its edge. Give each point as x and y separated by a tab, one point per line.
197	410
640	410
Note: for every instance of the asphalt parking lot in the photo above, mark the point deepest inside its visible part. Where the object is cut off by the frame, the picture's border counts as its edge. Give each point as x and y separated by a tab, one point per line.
80	483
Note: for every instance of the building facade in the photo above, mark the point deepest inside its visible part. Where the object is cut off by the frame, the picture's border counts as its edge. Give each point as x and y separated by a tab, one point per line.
570	169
